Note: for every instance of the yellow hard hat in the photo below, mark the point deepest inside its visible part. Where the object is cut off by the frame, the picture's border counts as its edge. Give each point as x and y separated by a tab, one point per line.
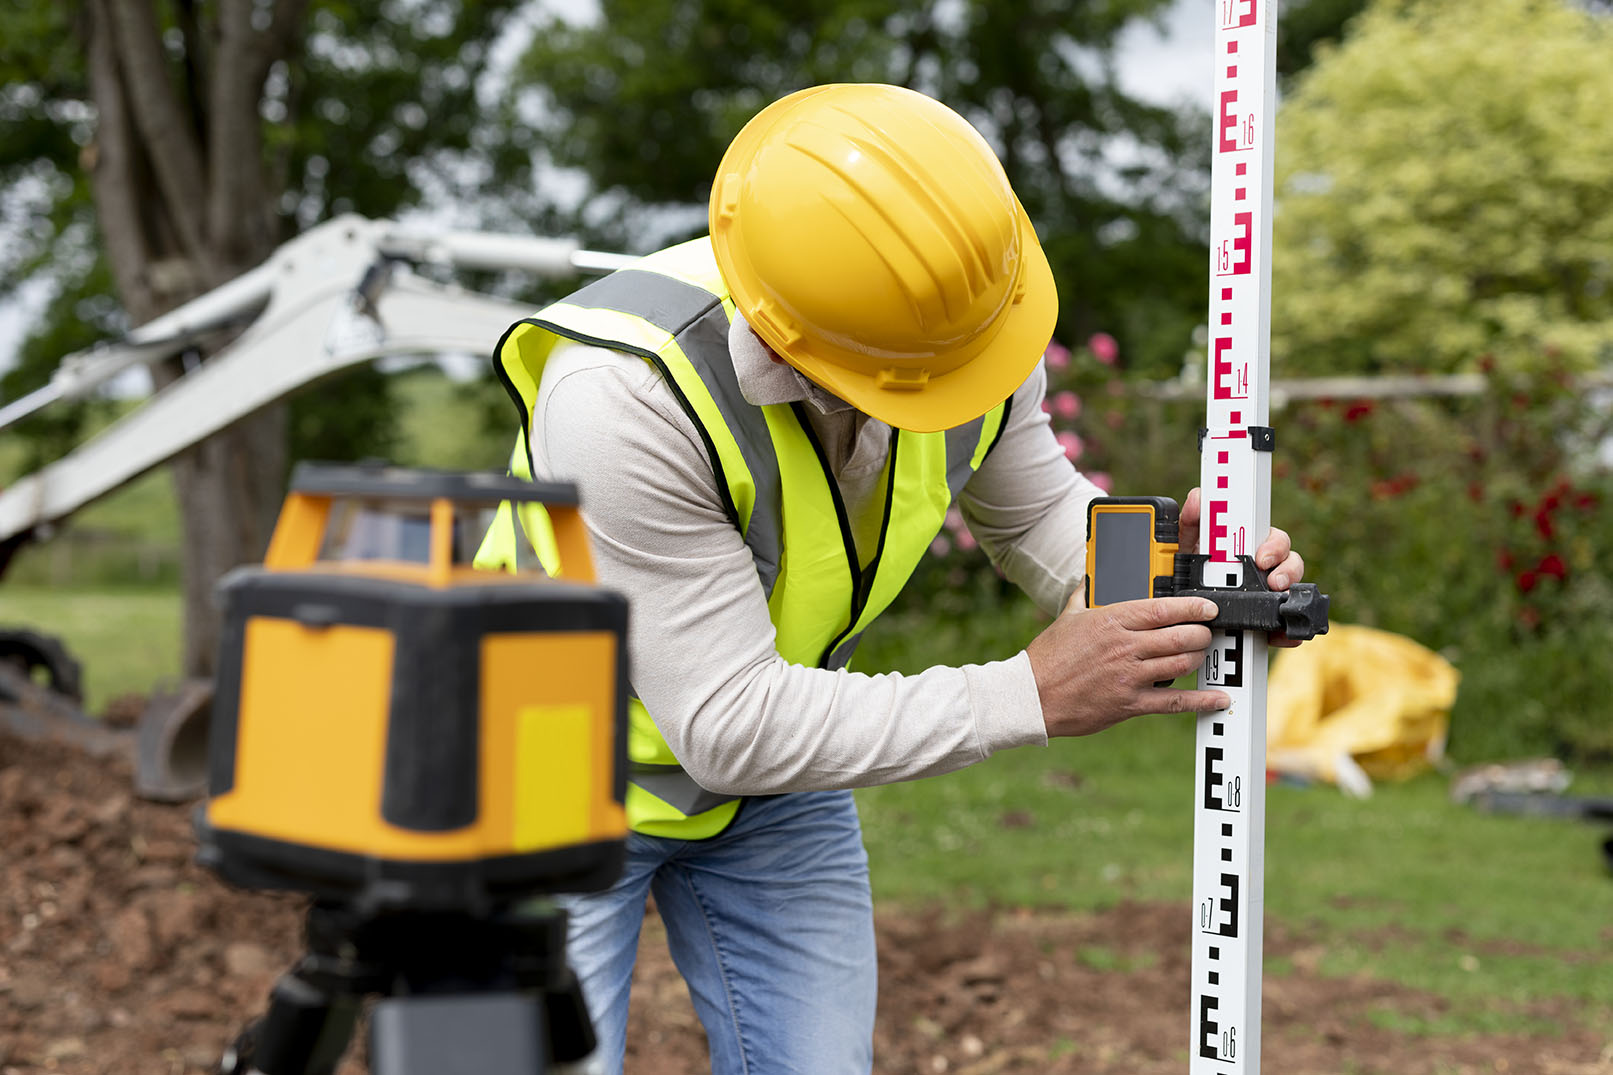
869	236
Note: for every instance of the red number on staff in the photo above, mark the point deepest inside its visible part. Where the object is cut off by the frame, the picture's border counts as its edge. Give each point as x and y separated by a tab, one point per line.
1217	530
1236	13
1226	383
1229	122
1234	132
1232	256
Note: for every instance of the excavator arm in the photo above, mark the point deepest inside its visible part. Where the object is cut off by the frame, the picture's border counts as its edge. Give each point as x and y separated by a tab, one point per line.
336	296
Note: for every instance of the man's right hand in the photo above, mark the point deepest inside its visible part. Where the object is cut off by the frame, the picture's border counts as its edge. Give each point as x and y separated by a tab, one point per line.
1095	668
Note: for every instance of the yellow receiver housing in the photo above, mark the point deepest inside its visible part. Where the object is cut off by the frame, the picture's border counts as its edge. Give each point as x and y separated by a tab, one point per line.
396	727
1131	548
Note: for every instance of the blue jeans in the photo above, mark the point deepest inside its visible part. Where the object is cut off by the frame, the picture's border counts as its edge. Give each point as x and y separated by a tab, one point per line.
771	925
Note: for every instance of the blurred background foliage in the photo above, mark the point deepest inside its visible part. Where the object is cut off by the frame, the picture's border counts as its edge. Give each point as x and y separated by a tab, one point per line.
374	110
1443	194
1443	207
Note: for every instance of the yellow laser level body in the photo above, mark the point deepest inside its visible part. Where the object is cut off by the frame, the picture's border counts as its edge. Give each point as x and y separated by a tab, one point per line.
1131	548
394	727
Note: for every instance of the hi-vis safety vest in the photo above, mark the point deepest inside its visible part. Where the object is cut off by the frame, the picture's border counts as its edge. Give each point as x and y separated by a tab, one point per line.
673	310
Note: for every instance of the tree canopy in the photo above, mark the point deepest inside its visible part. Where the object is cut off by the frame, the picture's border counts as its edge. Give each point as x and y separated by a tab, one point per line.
229	127
644	101
156	148
151	149
1443	192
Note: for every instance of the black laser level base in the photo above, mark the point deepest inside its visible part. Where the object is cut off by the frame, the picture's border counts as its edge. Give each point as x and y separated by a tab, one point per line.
458	994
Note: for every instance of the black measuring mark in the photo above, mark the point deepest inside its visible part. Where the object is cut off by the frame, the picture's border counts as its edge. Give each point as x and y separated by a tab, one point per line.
1224	924
1215	1042
1221	793
1223	664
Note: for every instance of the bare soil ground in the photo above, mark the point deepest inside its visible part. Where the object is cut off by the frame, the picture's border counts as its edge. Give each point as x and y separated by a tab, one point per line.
118	954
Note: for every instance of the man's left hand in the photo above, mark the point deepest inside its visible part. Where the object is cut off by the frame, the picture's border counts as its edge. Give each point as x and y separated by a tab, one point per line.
1276	554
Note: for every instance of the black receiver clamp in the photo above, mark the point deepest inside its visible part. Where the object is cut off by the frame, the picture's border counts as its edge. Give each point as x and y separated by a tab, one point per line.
1300	612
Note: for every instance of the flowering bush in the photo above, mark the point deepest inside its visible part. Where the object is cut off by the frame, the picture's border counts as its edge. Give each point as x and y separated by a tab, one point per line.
1479	527
1063	406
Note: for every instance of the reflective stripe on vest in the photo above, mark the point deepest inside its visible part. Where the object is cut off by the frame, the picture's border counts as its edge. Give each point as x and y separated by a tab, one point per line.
673	310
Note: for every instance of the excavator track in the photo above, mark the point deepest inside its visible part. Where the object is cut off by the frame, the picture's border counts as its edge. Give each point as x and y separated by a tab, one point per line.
43	659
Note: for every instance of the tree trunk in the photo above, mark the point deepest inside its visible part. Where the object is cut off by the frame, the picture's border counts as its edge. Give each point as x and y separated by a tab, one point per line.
229	487
183	206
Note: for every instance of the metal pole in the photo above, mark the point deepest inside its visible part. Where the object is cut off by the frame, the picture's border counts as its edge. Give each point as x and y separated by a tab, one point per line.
1229	803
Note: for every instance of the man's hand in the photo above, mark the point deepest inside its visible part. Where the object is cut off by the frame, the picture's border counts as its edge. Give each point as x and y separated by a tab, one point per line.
1276	554
1095	668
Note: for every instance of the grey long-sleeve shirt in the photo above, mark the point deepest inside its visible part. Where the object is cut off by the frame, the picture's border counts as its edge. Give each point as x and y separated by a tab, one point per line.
740	718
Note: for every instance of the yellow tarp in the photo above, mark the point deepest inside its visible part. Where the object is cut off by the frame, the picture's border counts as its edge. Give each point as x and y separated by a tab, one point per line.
1357	705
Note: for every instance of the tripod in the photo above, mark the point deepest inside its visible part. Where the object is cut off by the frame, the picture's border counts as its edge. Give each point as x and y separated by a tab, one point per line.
458	993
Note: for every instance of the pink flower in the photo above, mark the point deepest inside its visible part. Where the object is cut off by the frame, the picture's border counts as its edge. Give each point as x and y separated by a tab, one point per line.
1057	356
965	540
940	546
1066	404
954	520
1072	445
1103	348
1102	480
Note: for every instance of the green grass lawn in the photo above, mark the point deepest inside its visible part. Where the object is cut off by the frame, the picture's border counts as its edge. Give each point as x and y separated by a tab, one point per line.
1493	912
1490	911
128	639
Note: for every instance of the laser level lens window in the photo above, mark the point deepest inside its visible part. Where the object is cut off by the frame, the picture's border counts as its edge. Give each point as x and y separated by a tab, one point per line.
395	530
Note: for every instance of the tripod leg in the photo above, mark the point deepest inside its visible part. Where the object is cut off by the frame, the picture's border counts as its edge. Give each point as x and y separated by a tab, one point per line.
571	1032
305	1032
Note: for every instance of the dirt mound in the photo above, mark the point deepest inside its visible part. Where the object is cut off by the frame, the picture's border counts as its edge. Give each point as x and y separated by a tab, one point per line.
118	954
116	951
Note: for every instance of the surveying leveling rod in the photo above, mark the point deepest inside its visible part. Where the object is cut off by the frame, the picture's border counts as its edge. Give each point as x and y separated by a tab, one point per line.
1229	804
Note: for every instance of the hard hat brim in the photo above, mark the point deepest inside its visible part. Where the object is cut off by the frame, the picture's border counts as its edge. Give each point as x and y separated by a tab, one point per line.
973	388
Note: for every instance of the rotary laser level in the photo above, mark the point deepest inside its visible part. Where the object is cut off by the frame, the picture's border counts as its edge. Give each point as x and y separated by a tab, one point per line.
423	746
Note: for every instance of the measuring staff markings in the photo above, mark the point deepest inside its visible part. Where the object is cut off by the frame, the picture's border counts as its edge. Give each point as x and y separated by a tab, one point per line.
1229	794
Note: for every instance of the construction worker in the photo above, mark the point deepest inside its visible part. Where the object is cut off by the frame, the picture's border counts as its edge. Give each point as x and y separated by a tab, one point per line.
767	427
